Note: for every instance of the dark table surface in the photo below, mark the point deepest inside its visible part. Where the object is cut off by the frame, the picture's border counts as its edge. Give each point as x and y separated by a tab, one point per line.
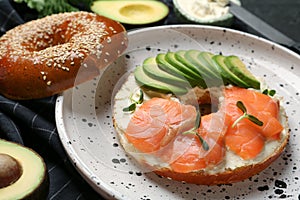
32	123
283	15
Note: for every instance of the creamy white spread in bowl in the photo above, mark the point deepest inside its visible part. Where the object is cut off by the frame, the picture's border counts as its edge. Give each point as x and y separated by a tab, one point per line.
215	12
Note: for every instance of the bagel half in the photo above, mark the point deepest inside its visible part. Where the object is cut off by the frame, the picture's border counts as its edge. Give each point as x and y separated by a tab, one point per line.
234	169
46	56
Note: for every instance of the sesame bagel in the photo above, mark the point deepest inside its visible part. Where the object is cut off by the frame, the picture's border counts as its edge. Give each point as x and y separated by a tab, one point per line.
47	56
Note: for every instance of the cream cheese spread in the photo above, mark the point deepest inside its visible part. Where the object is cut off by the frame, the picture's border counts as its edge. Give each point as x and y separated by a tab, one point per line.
205	9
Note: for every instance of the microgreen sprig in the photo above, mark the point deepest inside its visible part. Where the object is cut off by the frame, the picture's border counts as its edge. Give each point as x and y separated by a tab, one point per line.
252	118
132	106
271	93
194	131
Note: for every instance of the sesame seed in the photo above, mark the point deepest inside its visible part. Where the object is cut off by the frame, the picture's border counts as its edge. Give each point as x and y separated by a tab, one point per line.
108	40
80	35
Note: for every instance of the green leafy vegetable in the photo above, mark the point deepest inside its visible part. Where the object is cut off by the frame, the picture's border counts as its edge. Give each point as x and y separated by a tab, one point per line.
57	6
132	106
194	131
141	99
252	118
269	92
48	7
203	142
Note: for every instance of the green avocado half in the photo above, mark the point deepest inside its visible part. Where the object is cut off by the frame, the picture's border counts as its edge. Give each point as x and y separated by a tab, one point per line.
134	12
23	173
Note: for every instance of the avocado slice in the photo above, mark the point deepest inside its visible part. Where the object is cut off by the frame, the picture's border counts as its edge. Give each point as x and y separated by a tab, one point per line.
191	59
194	57
227	75
152	70
145	81
32	182
191	72
135	12
180	56
205	58
239	69
163	64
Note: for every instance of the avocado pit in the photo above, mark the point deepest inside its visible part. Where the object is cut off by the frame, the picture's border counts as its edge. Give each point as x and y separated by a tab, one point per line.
10	170
23	173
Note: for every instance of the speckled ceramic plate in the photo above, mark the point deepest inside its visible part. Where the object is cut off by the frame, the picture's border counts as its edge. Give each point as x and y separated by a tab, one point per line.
84	120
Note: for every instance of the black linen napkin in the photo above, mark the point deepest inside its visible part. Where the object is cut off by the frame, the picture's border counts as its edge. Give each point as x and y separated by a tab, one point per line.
32	124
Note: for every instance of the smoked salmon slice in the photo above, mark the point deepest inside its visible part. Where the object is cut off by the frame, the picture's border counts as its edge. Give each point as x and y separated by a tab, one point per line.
211	130
157	122
247	139
158	127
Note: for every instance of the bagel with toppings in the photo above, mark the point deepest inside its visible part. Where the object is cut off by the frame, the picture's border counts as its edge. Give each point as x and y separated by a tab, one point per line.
170	135
46	56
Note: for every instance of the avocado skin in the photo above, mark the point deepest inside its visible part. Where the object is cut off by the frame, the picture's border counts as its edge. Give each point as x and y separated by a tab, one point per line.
228	76
239	69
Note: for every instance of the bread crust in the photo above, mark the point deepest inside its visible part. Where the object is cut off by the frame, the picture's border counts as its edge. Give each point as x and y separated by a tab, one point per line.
229	175
47	56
